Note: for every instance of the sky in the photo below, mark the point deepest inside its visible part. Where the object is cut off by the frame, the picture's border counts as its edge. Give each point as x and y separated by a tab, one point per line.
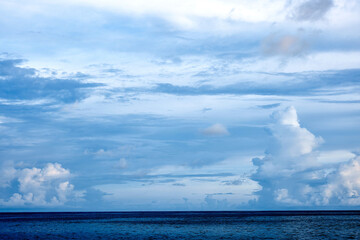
179	105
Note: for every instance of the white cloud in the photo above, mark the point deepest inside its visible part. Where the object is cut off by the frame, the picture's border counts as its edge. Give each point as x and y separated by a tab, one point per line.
48	186
284	45
122	163
292	173
215	130
202	15
55	171
185	12
291	148
282	195
336	156
294	140
4	119
344	185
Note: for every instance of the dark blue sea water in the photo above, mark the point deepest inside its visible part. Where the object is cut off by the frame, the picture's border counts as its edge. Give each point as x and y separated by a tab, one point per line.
182	225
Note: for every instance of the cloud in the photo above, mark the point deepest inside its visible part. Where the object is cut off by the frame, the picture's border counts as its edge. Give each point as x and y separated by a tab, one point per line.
215	130
187	14
239	181
284	45
343	186
48	186
23	83
122	163
292	140
269	106
292	173
312	10
296	84
8	68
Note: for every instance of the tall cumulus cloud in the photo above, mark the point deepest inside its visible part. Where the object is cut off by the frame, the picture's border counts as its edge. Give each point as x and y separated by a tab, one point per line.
293	173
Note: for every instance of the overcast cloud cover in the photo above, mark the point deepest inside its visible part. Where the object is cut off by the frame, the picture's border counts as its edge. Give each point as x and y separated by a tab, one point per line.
179	105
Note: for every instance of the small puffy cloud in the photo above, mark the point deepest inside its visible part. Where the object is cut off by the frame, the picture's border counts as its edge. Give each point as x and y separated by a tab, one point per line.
215	130
122	163
284	45
311	10
48	186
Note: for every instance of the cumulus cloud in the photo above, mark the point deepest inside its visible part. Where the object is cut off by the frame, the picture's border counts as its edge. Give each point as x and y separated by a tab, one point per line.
344	185
312	10
215	130
293	173
294	140
48	186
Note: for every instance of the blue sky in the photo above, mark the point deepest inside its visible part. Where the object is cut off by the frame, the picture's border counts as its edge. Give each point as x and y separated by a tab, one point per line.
179	105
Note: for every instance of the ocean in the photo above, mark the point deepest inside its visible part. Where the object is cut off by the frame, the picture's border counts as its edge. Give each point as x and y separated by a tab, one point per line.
182	225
